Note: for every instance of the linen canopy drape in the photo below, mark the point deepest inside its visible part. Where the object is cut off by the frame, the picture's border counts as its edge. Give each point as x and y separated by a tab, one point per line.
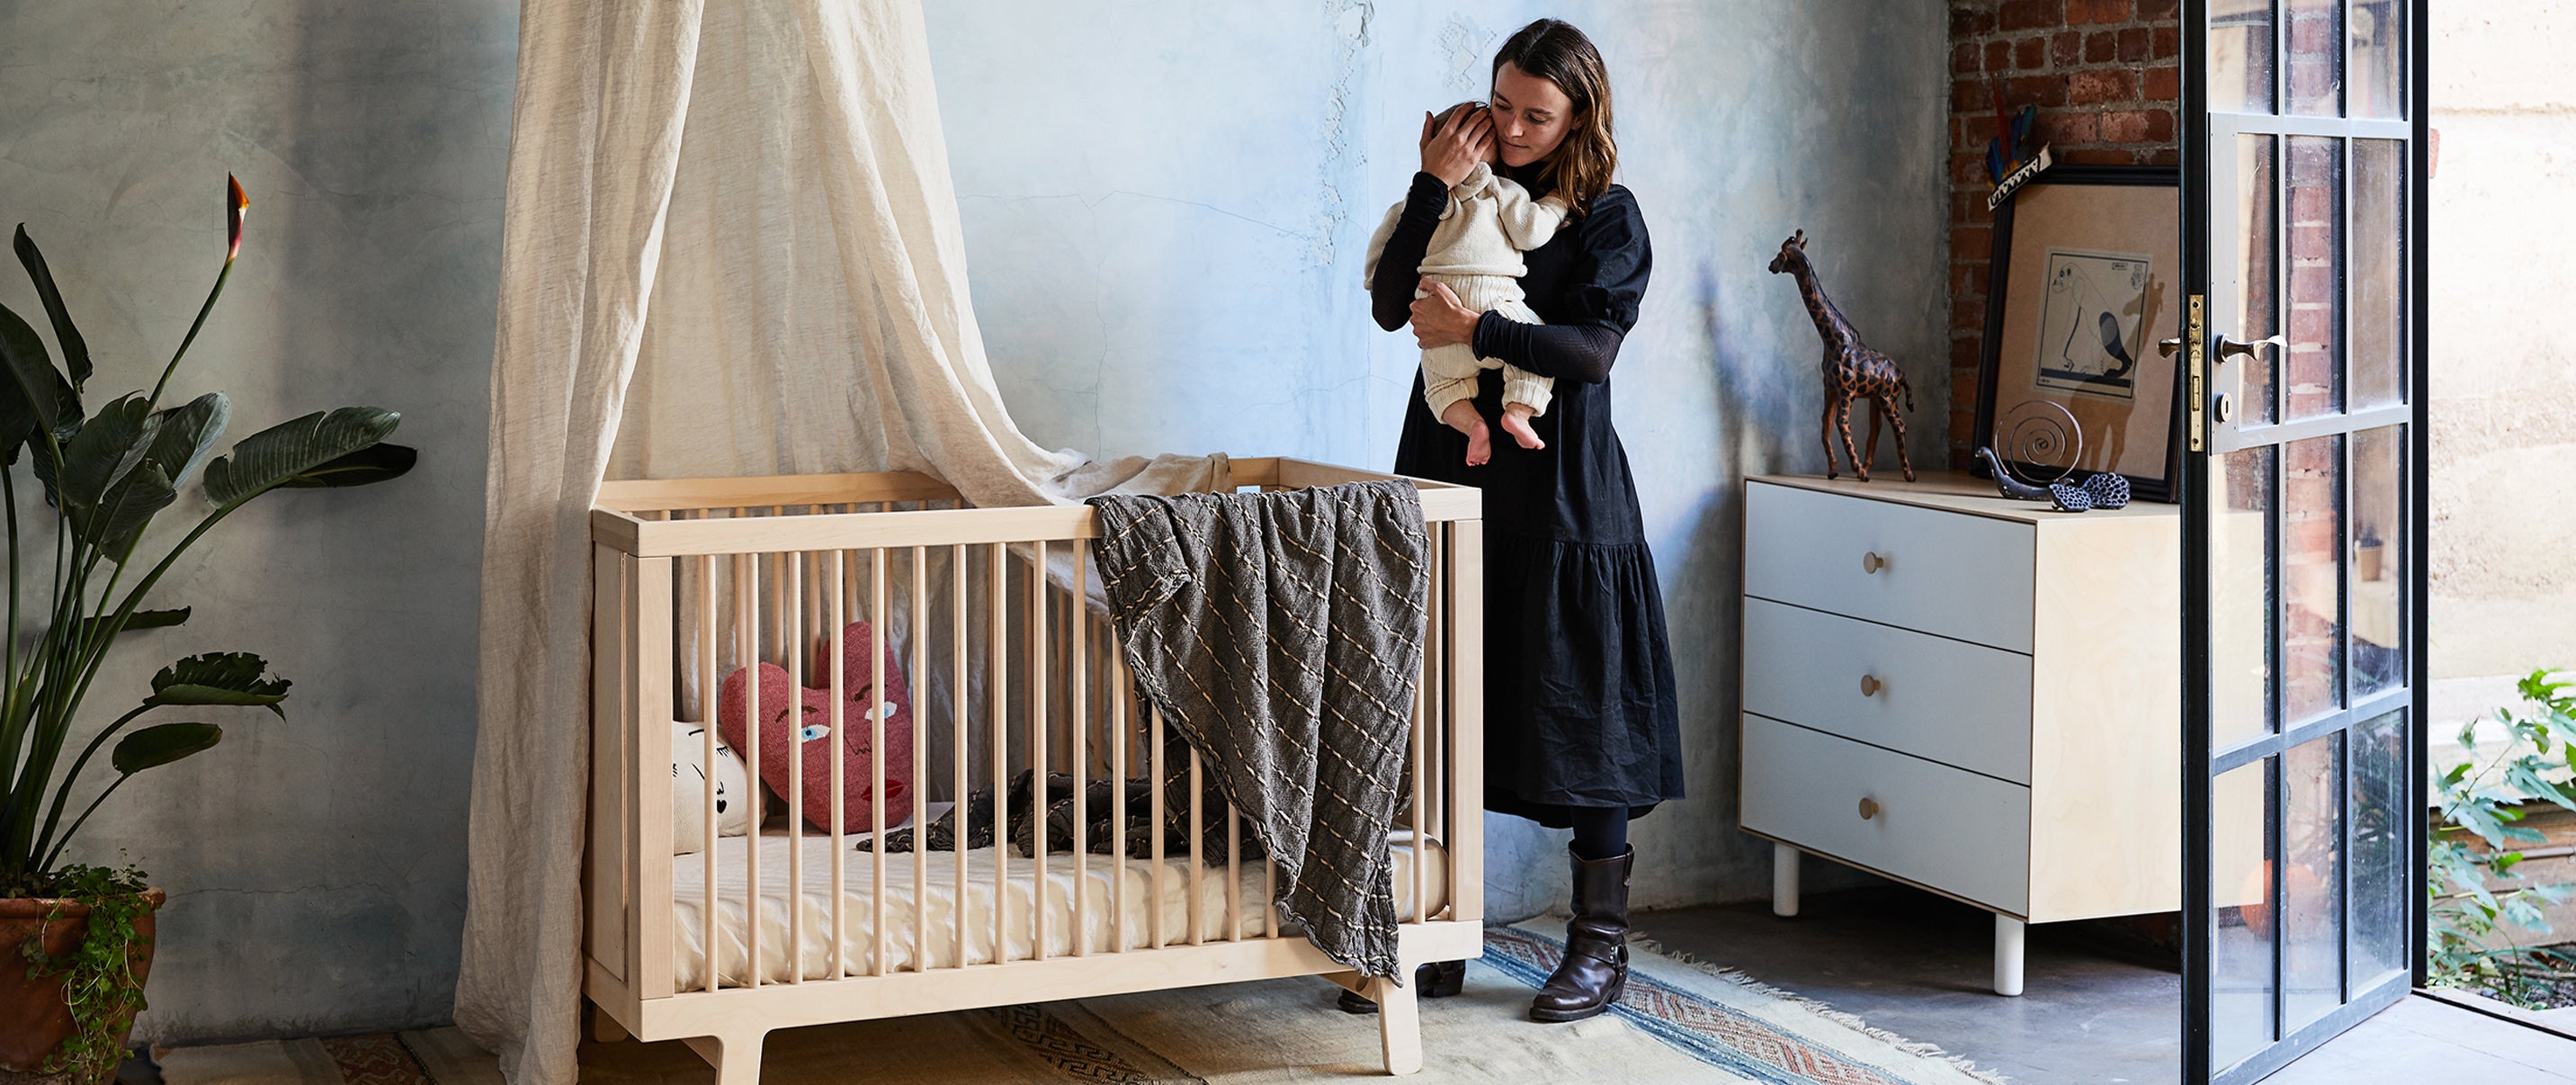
731	246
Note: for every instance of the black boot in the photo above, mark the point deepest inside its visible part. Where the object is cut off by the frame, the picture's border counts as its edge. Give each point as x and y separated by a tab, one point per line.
1595	968
1437	979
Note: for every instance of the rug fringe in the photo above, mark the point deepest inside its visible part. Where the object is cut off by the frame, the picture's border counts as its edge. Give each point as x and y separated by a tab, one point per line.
1851	1021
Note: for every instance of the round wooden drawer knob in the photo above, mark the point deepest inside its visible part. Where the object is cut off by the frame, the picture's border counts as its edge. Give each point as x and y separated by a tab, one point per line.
1871	562
1868	809
1870	685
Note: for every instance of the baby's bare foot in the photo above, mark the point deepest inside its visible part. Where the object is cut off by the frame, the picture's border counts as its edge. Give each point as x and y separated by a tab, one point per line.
1480	445
1516	422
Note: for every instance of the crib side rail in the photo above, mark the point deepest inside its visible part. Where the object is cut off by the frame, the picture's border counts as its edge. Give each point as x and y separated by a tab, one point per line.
686	601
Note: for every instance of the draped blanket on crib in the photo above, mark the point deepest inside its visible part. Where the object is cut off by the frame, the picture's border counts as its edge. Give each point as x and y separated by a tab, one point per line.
1281	635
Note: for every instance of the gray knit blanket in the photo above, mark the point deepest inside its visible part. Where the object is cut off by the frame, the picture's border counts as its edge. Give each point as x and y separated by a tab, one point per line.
1281	635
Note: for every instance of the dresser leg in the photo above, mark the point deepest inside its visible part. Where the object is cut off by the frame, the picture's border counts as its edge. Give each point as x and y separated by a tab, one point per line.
1784	880
2008	955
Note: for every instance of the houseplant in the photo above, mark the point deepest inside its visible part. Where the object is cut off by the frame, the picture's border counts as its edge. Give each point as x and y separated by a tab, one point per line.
75	940
2475	891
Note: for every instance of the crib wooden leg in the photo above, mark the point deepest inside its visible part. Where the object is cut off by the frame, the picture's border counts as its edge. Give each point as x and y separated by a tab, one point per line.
1399	1025
736	1057
604	1028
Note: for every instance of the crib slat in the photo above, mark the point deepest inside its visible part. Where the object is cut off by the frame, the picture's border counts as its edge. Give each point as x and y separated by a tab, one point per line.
840	785
920	669
1078	616
1465	647
707	679
1421	827
1269	896
998	635
1037	749
959	750
746	589
1233	874
875	713
794	590
1198	849
1156	832
1118	808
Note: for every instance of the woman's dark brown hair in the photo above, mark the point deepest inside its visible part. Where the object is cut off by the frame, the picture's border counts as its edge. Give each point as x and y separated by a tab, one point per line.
1554	50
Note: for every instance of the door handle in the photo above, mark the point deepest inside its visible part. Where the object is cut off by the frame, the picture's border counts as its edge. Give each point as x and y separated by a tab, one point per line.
2229	348
2166	347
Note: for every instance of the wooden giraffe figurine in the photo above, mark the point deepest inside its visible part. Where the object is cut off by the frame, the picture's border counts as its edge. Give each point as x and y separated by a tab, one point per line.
1852	370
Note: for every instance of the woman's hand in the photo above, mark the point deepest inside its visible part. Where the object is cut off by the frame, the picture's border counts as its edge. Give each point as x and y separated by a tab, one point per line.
1451	148
1439	321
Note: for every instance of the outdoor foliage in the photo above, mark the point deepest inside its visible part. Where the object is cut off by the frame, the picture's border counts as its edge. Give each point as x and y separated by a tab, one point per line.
2470	899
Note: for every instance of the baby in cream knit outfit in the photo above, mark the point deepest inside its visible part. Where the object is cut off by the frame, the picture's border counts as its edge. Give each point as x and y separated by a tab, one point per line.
1475	251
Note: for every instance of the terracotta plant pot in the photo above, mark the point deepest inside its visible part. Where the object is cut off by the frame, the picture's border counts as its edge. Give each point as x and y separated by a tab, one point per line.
33	1020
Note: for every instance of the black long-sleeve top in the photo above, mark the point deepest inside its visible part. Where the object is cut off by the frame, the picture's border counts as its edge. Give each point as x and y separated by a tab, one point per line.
1579	345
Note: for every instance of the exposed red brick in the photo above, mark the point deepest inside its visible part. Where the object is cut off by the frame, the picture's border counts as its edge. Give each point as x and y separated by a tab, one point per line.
2163	84
2097	11
1968	20
2066	48
1966	352
2030	52
2093	156
2101	47
1966	94
2030	14
2168	42
1998	56
2104	85
1963	59
2124	126
2041	90
2160	126
1970	243
2133	44
2154	10
2165	156
2073	126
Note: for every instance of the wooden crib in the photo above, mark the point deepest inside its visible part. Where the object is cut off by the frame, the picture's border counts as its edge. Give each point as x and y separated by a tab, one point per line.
694	578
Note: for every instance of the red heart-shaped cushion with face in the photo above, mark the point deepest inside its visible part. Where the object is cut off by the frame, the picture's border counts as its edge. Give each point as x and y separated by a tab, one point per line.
778	735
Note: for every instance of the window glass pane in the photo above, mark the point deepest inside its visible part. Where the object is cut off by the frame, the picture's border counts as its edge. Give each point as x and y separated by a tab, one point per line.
2311	577
2312	369
2376	86
2315	57
2312	881
2240	56
2381	884
2240	589
2258	309
2378	564
2241	913
2377	271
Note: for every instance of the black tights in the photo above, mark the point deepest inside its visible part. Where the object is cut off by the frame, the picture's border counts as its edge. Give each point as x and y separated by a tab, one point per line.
1600	832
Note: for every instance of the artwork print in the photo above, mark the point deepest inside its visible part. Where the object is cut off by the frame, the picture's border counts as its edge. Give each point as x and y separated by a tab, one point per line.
2091	329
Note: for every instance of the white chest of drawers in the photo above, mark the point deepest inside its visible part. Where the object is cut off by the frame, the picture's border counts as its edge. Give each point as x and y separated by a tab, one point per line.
1976	696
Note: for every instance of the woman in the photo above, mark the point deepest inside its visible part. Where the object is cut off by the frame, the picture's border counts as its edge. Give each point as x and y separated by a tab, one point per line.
1580	726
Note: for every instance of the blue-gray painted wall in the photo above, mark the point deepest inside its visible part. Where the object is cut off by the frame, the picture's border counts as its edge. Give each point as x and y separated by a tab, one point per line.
1166	205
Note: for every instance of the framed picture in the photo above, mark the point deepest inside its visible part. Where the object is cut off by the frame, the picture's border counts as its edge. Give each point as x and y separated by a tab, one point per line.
2083	280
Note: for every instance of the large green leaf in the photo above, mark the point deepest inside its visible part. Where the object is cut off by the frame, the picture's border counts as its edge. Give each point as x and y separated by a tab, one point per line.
219	678
66	335
141	619
372	464
277	455
101	454
188	433
23	357
160	744
125	510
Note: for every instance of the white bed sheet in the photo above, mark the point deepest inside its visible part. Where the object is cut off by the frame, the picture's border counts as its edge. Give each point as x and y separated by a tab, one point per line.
941	897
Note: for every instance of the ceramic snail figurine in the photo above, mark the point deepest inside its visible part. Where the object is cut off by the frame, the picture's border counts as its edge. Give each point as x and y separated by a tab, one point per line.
2102	491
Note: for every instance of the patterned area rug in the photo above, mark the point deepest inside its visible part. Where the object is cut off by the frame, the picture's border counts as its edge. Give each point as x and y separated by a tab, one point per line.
1678	1022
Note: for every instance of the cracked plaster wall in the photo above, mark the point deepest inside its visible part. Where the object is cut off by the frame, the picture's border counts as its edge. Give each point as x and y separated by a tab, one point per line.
1167	206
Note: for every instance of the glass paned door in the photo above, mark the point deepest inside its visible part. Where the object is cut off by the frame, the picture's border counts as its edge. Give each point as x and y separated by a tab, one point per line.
2303	523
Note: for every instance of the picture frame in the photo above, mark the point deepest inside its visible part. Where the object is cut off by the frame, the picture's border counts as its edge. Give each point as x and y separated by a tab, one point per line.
2084	277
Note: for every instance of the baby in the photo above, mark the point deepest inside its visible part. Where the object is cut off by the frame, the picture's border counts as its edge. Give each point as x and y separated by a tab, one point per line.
1475	251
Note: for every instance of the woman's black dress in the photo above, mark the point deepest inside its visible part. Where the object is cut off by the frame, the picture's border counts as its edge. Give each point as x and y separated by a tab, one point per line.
1578	670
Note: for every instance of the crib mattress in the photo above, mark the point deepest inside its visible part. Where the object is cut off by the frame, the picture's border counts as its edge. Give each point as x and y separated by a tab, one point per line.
942	897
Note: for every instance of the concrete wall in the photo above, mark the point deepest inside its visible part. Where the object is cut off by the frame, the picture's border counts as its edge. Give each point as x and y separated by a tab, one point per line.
1166	205
1167	210
316	864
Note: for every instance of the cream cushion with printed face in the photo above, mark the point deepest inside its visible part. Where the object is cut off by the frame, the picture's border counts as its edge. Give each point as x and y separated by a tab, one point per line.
689	790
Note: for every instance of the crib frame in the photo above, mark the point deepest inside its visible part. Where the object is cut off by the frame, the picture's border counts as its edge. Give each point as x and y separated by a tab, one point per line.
647	533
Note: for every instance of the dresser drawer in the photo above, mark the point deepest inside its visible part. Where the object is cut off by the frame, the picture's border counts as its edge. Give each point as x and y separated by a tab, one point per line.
1947	700
1936	826
1956	574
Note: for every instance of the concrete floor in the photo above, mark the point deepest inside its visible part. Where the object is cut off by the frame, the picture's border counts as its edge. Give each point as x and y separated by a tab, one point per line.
2096	1007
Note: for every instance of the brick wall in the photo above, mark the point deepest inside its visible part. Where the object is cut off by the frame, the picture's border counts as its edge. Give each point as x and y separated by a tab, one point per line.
2107	77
